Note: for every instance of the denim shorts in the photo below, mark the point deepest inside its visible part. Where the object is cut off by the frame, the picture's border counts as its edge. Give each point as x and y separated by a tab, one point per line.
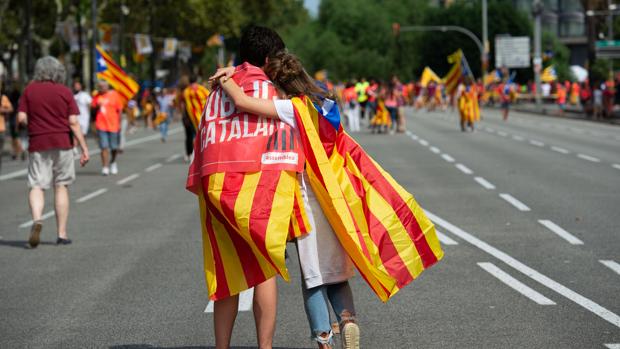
108	140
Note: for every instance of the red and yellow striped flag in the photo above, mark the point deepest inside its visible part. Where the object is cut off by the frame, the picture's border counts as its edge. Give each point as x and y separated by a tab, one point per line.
453	78
195	96
380	225
109	71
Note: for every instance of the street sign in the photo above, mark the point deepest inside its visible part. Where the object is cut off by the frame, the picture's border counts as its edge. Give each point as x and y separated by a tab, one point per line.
608	49
512	51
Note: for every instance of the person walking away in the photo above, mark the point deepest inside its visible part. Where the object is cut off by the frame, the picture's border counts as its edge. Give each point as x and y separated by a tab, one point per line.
194	100
51	114
361	87
585	98
391	103
6	109
561	97
503	91
351	108
165	100
83	100
109	105
16	131
597	99
574	93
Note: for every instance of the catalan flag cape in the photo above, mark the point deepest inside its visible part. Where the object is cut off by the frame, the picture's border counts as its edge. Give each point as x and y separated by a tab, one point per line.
469	108
380	225
245	173
109	71
195	97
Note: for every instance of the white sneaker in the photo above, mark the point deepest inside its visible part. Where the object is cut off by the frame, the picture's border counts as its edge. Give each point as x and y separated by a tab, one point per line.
105	171
350	335
113	168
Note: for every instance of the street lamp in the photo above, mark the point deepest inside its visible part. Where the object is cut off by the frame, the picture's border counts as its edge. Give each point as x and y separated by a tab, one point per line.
537	10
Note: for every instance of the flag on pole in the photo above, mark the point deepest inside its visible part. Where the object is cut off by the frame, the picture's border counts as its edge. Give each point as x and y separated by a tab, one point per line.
428	75
549	74
109	71
460	68
379	224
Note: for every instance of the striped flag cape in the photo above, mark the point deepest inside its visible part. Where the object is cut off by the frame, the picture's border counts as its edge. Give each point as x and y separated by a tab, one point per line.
380	225
109	71
195	96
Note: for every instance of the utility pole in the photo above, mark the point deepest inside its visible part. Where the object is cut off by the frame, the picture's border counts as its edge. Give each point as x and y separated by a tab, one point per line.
610	34
78	19
537	10
93	43
28	26
485	39
153	55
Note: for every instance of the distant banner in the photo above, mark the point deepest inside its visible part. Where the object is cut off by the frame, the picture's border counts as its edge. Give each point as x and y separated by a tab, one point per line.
108	36
185	51
170	47
143	44
67	30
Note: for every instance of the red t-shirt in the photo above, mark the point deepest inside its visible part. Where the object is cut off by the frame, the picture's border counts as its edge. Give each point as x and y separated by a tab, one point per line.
48	106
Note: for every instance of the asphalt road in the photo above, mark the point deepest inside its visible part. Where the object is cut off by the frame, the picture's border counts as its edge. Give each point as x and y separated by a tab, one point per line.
527	210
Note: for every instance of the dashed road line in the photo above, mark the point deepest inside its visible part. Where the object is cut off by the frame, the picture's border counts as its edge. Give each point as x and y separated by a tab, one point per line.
611	265
502	133
537	143
435	150
45	216
91	195
464	169
588	157
560	232
483	182
514	202
128	179
245	301
613	345
447	157
445	239
616	166
423	142
577	298
173	157
153	167
560	150
518	138
414	137
516	284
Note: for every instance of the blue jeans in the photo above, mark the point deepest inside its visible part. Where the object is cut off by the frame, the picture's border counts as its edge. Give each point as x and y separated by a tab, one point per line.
316	305
163	129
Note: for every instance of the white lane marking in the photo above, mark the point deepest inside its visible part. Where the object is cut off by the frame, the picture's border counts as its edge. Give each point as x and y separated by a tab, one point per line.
24	172
516	284
560	150
616	166
447	157
245	301
91	195
408	133
153	167
490	130
613	345
483	182
173	157
414	137
560	232
611	265
128	179
588	157
423	142
45	216
502	133
514	202
464	169
435	150
445	239
518	138
537	143
582	301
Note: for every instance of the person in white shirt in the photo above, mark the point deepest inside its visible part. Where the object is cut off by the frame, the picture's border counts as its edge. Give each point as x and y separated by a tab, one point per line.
83	100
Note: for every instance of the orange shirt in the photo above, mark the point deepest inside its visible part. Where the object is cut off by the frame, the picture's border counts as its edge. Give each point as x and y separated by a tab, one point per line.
109	114
5	103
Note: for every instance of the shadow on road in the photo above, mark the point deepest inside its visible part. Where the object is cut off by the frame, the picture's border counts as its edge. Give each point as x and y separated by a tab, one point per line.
148	346
21	244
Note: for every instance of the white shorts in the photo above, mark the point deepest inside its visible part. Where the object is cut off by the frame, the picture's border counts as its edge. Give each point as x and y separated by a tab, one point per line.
55	165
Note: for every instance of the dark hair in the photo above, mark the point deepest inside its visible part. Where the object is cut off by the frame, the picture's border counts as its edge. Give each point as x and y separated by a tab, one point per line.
288	74
258	43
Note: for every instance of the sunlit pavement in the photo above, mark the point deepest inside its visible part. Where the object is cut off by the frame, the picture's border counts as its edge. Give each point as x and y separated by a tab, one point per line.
527	211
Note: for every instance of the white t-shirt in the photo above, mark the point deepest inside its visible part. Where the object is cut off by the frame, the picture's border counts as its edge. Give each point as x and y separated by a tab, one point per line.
322	258
83	101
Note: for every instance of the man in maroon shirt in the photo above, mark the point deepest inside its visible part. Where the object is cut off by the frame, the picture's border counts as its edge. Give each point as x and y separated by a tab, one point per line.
48	107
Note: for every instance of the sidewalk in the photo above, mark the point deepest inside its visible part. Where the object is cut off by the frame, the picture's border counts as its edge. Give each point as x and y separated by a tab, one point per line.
571	112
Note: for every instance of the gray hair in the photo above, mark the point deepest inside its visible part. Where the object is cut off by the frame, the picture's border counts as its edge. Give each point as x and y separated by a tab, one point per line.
49	68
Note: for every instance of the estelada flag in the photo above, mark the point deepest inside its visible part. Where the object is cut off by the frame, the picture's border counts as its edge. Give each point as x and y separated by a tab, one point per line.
109	71
453	78
381	227
195	96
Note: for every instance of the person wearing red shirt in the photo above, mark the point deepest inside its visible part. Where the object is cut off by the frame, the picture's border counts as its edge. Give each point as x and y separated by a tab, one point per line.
48	107
108	124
